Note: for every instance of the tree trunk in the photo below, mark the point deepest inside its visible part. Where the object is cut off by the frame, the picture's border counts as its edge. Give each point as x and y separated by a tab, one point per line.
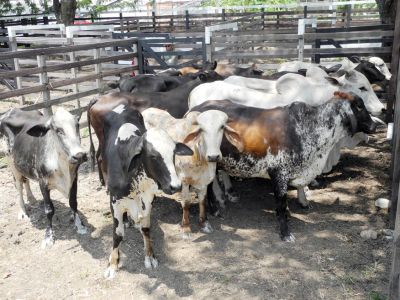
387	10
65	11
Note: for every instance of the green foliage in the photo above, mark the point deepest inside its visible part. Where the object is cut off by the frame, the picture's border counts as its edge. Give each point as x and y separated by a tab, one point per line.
5	7
376	296
246	2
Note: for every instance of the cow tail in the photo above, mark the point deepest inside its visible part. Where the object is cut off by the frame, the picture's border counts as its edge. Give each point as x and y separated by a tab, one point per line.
92	150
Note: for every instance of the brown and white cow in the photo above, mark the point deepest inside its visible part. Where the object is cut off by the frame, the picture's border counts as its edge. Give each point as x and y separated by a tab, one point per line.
289	145
203	133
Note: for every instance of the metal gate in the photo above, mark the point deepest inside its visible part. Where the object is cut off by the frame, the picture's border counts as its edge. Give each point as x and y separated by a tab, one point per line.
158	53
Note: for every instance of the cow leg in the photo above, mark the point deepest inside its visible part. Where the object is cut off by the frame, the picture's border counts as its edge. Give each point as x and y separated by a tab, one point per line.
49	211
302	197
204	224
73	204
280	191
29	194
219	194
100	166
229	191
212	205
185	212
118	234
22	214
149	259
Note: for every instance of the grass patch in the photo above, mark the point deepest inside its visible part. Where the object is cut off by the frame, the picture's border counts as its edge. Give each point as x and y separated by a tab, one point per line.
84	132
373	295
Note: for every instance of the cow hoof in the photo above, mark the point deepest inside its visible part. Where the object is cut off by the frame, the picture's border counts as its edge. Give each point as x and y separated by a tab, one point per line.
289	238
306	206
32	199
23	216
110	273
186	235
207	228
81	229
48	242
233	197
150	262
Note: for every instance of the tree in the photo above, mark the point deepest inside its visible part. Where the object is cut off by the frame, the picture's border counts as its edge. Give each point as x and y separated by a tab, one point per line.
387	10
65	11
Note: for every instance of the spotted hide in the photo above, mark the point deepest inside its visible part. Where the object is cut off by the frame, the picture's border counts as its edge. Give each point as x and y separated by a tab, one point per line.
139	163
289	145
47	150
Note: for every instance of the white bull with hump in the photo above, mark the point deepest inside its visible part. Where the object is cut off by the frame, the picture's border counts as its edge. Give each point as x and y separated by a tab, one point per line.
290	88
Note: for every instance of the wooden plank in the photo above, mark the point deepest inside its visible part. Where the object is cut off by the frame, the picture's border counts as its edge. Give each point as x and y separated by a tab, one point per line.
60	83
66	66
61	100
64	49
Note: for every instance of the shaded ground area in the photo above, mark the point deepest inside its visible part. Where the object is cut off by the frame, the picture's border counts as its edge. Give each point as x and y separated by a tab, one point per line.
242	259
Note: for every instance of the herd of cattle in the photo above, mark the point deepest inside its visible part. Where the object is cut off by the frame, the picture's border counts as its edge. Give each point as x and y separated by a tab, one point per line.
169	133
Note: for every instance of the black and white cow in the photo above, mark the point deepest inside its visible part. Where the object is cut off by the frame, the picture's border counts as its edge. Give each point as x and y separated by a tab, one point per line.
47	150
289	145
139	163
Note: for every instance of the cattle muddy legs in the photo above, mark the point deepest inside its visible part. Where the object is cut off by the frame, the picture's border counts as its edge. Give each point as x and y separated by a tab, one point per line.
73	204
49	211
280	191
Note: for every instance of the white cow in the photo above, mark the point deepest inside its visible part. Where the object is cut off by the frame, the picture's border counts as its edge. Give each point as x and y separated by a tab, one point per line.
290	88
202	132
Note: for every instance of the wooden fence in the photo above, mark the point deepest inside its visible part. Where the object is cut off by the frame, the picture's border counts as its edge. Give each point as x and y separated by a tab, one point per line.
342	16
94	56
314	44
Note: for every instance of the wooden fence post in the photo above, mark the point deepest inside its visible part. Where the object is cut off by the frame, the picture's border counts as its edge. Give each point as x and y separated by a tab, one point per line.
98	69
300	33
153	16
263	18
223	15
140	58
72	58
305	11
44	80
13	47
348	15
187	23
394	98
121	22
277	21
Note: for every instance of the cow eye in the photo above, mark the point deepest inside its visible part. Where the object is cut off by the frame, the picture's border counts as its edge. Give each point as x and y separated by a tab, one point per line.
364	89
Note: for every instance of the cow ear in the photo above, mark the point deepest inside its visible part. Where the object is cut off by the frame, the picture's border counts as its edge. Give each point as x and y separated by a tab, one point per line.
234	138
192	136
183	150
333	81
355	59
214	66
135	148
39	129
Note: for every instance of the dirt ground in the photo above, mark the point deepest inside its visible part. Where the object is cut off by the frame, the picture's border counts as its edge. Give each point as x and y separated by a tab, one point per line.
243	258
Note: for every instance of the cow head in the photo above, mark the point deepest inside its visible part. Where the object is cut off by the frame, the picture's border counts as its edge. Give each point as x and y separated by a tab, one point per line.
360	120
357	83
158	159
380	64
209	76
64	128
211	125
370	71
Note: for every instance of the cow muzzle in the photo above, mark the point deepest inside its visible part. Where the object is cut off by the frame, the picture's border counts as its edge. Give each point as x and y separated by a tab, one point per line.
78	158
213	158
172	189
